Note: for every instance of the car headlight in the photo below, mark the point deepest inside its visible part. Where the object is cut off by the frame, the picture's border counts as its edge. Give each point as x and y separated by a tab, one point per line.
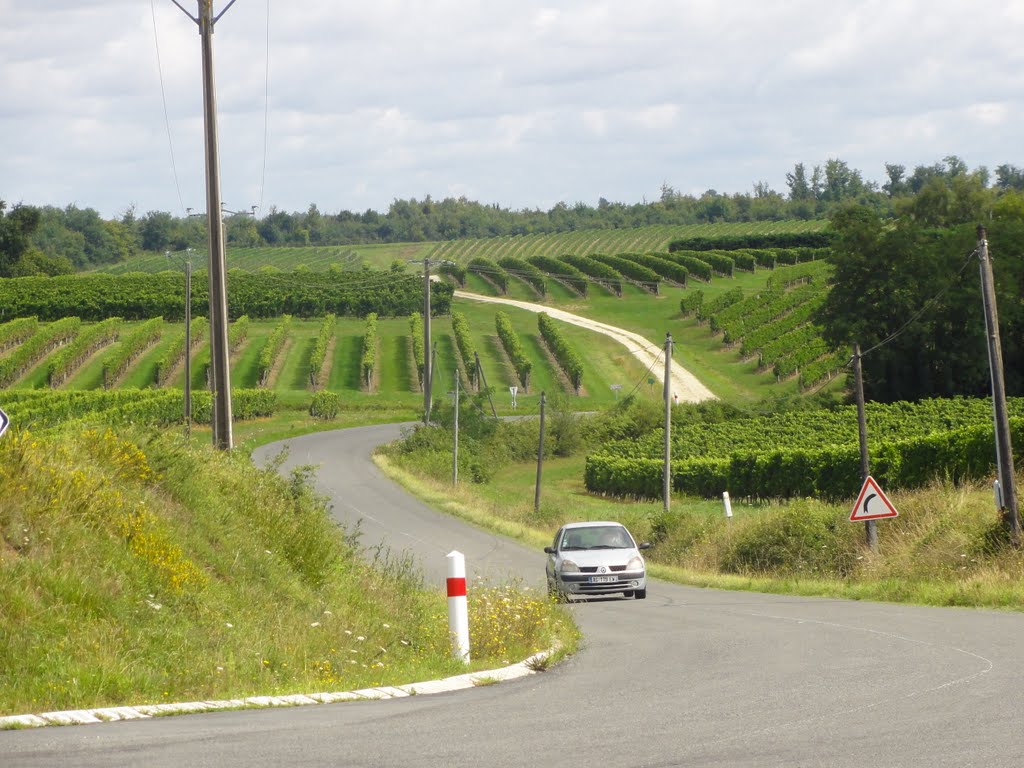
635	564
568	566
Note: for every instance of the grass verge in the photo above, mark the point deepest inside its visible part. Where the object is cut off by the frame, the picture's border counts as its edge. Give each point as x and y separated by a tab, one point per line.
946	548
138	567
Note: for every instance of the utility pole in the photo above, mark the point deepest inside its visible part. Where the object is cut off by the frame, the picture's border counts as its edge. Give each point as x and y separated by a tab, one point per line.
666	490
188	346
429	363
540	457
187	415
455	449
480	377
1004	450
219	372
870	526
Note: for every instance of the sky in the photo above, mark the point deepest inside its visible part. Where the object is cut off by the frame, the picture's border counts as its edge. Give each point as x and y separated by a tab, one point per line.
520	103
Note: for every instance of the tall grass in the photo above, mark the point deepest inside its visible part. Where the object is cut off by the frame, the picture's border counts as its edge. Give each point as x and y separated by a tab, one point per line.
946	547
137	568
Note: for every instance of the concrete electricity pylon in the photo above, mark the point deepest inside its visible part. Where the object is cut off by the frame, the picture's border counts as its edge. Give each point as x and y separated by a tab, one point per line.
220	374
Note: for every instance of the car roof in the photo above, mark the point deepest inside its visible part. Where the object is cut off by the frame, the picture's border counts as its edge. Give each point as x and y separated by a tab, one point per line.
591	524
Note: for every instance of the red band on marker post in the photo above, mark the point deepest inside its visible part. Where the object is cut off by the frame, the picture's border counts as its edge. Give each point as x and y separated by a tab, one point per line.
456	587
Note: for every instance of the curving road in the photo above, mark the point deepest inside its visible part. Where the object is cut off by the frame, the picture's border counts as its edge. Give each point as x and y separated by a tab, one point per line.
687	387
688	677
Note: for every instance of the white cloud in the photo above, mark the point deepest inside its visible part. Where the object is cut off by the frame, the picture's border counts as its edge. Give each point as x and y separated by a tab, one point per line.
522	103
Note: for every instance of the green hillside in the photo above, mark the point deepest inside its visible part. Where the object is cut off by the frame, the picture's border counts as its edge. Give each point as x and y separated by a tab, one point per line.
641	239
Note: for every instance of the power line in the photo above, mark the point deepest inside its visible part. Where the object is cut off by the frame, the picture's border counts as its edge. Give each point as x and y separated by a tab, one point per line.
266	112
923	309
647	375
163	97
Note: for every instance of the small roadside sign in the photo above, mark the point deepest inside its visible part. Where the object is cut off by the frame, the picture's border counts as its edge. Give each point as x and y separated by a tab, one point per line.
872	503
4	421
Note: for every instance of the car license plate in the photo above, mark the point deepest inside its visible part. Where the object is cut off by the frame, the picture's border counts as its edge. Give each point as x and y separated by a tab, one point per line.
602	579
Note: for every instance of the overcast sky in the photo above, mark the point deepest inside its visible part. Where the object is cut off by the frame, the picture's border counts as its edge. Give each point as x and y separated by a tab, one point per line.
522	103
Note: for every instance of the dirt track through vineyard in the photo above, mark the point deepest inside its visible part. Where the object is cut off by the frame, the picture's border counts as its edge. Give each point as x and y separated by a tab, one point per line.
684	384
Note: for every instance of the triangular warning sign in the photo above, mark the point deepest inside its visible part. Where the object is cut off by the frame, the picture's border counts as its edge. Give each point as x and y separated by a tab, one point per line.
872	504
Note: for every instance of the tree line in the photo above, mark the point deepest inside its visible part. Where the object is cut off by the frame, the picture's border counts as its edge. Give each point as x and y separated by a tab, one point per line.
50	240
909	293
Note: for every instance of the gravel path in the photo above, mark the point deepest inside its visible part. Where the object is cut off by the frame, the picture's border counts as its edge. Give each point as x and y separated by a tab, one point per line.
684	383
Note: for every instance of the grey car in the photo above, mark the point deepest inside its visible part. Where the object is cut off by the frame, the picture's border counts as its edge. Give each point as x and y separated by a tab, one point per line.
596	558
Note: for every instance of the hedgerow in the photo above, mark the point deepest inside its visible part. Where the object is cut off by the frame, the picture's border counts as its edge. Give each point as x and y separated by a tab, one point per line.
711	307
566	357
691	302
490	271
594	267
513	347
138	296
695	265
154	407
37	346
272	350
565	273
526	272
669	270
464	343
642	275
454	270
765	240
806	453
73	354
368	358
16	331
416	333
721	263
318	356
117	360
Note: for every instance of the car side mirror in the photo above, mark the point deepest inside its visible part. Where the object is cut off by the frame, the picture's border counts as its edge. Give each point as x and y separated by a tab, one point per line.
549	550
645	545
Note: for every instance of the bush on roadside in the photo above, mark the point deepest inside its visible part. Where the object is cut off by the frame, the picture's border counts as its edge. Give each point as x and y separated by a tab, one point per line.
803	538
325	405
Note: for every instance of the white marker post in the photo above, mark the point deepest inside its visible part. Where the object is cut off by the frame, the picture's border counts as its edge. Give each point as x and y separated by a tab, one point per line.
728	504
458	608
513	390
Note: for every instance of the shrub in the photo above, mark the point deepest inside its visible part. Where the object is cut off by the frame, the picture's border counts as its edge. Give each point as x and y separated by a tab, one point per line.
802	538
566	357
325	405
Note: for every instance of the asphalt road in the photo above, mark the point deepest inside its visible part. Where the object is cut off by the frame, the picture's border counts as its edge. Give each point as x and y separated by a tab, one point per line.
688	677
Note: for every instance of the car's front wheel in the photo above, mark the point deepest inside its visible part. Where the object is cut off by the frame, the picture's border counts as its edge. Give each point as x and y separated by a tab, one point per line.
640	594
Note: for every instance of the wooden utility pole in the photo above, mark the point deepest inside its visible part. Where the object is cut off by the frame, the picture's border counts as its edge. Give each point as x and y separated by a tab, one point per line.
220	374
1004	449
188	346
428	364
870	526
455	448
540	457
666	490
480	377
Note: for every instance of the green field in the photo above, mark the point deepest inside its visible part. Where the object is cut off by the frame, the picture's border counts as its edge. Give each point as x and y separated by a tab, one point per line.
381	255
606	362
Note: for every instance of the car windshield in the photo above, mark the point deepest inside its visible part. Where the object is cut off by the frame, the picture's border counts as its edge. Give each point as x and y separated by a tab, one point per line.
596	537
